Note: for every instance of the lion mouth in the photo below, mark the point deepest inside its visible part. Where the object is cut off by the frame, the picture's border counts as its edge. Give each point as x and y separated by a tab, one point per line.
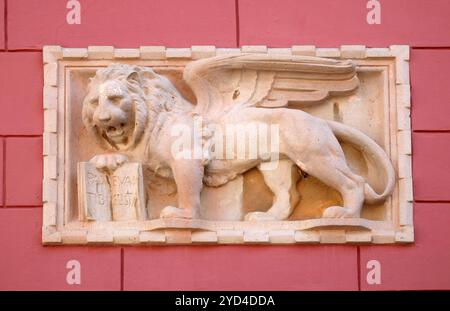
113	131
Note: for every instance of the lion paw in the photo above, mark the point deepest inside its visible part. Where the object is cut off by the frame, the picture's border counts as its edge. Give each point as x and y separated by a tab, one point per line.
108	162
338	212
259	216
175	212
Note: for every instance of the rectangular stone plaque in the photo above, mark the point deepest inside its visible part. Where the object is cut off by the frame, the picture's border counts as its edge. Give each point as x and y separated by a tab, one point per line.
339	117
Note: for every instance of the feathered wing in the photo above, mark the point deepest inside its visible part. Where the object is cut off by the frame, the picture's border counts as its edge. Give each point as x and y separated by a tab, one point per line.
224	83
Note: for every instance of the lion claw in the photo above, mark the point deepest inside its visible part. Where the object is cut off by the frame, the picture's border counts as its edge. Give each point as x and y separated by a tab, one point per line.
109	162
175	212
259	216
338	212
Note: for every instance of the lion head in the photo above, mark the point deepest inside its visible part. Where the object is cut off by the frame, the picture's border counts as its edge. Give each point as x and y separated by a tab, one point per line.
123	100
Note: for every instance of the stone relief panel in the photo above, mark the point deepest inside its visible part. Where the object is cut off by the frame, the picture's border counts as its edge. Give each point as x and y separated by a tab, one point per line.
209	145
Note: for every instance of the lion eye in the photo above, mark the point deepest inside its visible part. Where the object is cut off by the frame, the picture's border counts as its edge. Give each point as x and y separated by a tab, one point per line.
115	99
94	102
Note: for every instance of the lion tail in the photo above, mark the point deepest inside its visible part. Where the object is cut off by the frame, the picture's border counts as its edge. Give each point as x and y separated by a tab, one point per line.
374	151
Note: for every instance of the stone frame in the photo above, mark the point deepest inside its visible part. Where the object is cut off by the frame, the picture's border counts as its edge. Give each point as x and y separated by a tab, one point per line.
158	231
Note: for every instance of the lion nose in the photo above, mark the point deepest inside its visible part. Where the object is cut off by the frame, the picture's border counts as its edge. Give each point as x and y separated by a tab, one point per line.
104	116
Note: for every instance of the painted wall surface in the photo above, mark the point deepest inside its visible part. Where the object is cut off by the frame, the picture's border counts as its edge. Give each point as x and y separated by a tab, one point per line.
27	25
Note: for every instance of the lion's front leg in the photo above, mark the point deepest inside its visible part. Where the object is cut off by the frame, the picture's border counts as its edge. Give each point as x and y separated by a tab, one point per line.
108	162
188	175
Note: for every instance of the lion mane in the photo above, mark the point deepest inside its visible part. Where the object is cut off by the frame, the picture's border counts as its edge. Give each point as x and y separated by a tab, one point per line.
151	94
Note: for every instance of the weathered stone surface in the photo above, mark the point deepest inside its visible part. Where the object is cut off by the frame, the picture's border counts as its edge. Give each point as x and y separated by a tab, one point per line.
155	167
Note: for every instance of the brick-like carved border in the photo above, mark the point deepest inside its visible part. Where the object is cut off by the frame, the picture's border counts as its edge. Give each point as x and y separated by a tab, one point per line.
158	231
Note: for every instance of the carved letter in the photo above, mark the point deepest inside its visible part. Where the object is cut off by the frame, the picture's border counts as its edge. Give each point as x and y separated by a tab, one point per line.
94	194
127	193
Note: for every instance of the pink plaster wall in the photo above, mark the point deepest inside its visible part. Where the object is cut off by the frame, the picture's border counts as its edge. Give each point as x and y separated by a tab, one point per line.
30	24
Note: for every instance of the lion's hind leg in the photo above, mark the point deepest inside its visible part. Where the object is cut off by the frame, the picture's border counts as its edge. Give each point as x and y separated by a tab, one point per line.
282	179
332	169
